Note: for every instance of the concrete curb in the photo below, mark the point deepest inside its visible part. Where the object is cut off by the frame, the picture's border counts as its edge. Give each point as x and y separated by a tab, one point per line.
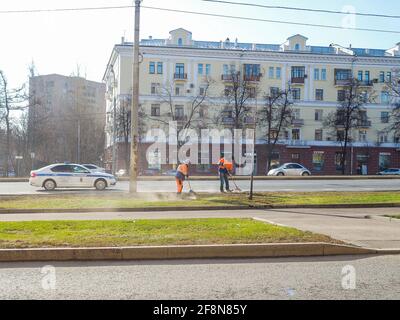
238	178
194	208
183	252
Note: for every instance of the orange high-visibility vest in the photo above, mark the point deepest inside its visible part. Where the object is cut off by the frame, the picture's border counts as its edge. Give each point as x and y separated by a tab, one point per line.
183	168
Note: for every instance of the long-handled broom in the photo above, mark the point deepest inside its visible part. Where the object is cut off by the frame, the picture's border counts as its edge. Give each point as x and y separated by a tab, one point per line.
236	186
190	187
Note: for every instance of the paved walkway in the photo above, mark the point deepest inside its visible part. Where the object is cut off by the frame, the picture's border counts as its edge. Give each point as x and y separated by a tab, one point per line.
362	227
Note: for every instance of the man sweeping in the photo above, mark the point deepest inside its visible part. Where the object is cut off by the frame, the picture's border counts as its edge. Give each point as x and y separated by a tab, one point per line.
181	174
224	169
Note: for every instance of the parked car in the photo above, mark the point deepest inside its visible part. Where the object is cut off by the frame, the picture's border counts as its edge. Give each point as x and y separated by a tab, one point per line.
121	173
94	168
389	172
149	172
290	169
171	172
64	175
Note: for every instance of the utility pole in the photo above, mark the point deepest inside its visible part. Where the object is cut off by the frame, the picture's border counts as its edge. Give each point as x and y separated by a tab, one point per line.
254	155
135	104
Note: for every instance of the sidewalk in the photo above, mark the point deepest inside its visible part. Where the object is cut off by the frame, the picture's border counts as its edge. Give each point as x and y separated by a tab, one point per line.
348	225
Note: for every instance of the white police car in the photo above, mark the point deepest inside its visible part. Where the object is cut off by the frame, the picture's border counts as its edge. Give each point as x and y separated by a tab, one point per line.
65	175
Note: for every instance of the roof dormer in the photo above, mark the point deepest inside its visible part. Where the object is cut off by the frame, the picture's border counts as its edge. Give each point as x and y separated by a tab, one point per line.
295	43
180	37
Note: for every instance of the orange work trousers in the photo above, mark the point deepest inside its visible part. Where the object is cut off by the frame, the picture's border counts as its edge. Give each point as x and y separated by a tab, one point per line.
179	185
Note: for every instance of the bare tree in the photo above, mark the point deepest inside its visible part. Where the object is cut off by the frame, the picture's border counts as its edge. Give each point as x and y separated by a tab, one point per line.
348	116
186	116
276	115
393	89
238	94
10	100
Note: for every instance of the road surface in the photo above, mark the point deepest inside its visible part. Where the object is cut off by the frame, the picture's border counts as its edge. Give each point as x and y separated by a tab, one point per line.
376	277
9	188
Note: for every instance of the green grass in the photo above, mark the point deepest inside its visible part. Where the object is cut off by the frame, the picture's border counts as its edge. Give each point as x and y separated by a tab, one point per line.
395	216
40	234
148	200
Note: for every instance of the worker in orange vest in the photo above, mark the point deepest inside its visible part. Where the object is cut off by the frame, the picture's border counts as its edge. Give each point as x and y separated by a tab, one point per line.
224	169
181	174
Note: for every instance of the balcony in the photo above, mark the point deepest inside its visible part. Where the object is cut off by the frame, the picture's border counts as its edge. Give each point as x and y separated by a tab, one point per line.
298	122
364	124
180	76
342	82
366	83
227	77
227	120
298	80
252	78
180	118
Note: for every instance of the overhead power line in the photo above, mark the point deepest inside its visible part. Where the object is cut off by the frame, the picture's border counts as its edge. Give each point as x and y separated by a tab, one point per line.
272	21
304	9
201	14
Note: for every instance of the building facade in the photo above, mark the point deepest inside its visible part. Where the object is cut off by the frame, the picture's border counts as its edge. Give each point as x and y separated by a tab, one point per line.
184	67
66	120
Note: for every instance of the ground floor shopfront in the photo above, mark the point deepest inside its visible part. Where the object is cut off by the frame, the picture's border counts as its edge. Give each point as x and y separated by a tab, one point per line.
320	160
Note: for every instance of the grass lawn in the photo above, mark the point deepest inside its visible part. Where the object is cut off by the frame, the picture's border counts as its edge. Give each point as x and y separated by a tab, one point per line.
60	201
395	216
39	234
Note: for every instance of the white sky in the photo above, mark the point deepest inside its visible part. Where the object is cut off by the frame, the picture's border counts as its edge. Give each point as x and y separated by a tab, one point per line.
58	42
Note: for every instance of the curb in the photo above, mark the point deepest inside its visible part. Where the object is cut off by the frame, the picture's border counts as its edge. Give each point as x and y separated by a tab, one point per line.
194	208
239	178
183	252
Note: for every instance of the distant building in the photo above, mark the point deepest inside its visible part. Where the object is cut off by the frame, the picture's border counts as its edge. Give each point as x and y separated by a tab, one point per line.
66	119
315	74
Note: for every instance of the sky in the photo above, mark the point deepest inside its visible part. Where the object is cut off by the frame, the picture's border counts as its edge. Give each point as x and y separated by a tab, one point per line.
60	42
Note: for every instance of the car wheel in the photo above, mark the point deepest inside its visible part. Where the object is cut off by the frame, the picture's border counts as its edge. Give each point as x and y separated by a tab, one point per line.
100	184
49	185
305	174
280	174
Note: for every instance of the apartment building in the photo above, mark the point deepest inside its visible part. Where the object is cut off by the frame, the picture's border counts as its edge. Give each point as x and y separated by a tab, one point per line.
314	74
66	119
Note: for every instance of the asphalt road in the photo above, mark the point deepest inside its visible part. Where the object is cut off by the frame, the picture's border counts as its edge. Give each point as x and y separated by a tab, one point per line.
376	277
8	188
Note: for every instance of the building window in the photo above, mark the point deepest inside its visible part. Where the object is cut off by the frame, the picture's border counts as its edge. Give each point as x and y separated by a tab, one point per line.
225	70
271	72
154	88
383	137
252	70
200	68
362	135
382	76
296	94
296	134
180	69
319	94
274	92
159	68
155	110
360	76
296	157
298	72
296	114
318	160
341	95
208	69
278	72
178	90
318	135
384	161
297	47
384	117
318	115
179	112
152	67
180	42
389	77
316	74
340	135
367	76
323	74
338	160
385	97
